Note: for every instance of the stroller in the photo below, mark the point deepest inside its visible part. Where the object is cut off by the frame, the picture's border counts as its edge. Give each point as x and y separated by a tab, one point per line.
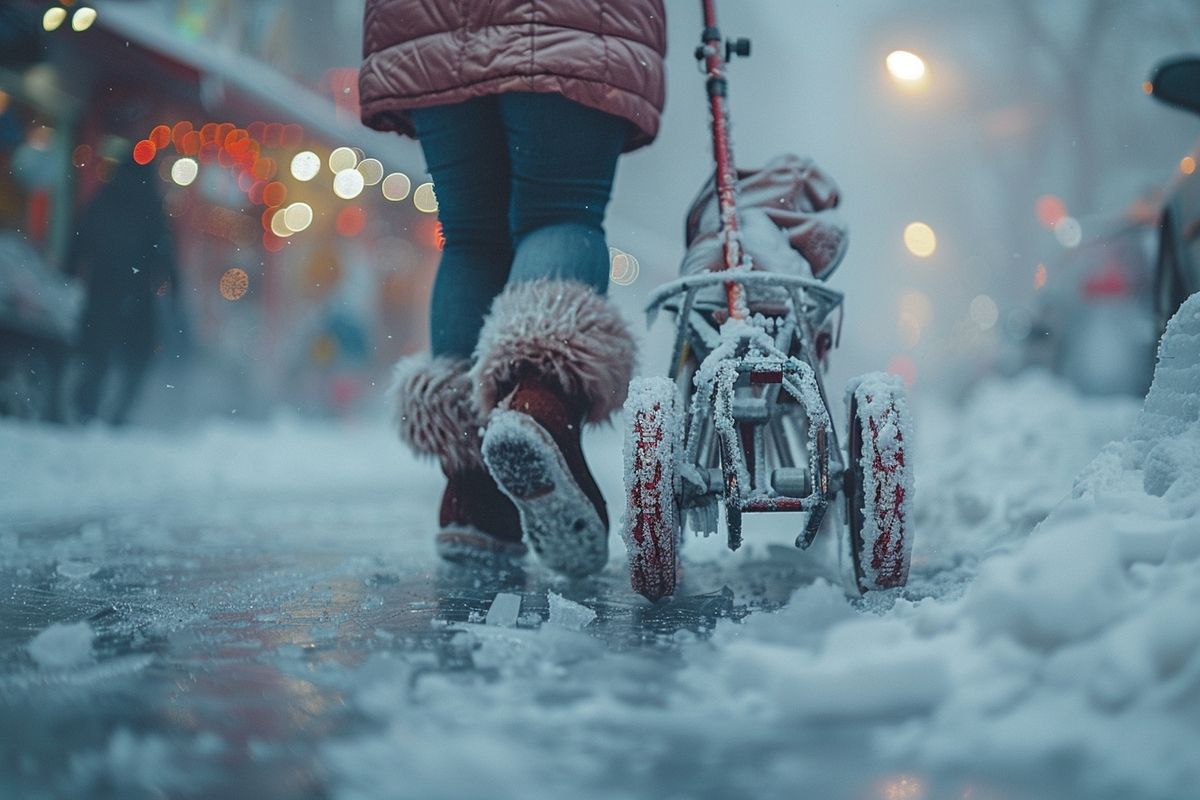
742	419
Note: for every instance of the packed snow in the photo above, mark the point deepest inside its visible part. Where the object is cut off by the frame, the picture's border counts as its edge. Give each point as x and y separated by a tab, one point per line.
265	613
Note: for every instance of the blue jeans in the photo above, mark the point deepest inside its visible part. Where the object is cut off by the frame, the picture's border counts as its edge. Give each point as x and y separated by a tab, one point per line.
522	180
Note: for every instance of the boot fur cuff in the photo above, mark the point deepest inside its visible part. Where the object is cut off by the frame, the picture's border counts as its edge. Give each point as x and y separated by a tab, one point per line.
564	333
432	410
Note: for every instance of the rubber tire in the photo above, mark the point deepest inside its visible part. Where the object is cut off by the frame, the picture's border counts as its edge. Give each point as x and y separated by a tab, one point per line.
653	559
865	577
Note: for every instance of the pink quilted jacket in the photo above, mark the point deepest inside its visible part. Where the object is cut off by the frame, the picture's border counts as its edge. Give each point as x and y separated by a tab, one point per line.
607	54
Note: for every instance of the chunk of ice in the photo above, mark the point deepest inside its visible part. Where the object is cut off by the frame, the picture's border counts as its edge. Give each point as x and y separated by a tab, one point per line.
505	610
62	645
568	613
76	570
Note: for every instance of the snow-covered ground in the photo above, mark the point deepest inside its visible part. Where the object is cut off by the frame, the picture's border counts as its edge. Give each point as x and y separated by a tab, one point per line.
258	611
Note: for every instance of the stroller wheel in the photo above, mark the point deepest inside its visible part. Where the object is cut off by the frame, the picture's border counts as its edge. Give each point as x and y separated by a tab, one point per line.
879	483
653	443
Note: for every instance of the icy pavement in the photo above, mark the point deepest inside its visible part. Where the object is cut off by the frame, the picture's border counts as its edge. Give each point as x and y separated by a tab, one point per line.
257	612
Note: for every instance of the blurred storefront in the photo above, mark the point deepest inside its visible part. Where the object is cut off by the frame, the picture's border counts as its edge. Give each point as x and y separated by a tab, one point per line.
305	243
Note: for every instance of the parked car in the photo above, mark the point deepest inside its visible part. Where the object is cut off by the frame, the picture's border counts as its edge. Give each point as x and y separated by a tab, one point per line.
39	311
1094	321
1177	271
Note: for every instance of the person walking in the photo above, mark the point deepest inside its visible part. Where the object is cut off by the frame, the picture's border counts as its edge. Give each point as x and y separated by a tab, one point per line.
522	109
124	253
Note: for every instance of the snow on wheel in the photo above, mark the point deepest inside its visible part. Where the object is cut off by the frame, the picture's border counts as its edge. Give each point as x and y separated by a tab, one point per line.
653	443
879	482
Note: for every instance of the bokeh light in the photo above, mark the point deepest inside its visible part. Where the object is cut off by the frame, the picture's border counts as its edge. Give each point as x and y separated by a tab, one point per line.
371	170
905	66
298	216
184	171
81	155
274	193
178	132
291	135
351	220
917	305
1187	165
305	165
279	225
348	184
263	169
1039	276
908	330
623	267
82	19
190	143
920	239
160	136
144	152
396	186
902	787
53	18
1049	210
984	312
425	199
916	311
234	283
342	159
1068	231
905	368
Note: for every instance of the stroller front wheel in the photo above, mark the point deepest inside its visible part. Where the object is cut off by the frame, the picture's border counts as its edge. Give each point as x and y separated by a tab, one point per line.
879	483
653	445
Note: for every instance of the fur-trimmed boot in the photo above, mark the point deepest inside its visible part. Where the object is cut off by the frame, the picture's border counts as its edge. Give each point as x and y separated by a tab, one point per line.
434	416
552	355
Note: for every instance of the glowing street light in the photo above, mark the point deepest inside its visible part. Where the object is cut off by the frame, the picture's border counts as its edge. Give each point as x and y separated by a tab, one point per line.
905	66
919	239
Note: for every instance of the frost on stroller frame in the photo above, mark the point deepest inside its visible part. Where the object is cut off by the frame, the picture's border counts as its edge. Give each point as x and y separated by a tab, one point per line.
742	419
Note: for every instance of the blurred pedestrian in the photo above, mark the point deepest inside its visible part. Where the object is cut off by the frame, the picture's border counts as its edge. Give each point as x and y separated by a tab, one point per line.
122	250
522	109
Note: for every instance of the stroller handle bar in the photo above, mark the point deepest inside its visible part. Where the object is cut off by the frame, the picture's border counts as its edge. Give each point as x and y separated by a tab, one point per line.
826	299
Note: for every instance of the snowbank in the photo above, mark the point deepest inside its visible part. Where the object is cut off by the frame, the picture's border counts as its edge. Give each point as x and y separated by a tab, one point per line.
1073	657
